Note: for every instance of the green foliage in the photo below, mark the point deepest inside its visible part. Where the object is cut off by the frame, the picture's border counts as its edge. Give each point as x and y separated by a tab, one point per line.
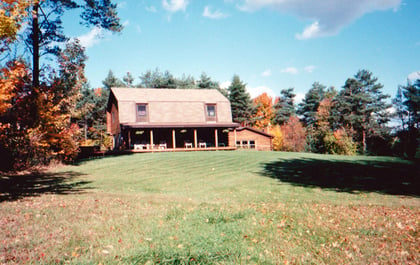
407	104
112	81
284	107
309	105
361	106
128	79
240	102
157	79
339	143
205	82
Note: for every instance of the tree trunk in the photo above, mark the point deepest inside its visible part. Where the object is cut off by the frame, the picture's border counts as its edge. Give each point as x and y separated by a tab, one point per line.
35	44
364	142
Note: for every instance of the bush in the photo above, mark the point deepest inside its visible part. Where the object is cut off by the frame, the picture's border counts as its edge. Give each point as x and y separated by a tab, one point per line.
339	143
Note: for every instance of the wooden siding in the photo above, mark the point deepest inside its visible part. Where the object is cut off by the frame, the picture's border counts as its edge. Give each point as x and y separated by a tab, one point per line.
262	141
113	125
173	106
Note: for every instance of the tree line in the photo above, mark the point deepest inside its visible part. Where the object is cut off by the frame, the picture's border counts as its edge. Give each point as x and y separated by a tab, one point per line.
353	120
48	109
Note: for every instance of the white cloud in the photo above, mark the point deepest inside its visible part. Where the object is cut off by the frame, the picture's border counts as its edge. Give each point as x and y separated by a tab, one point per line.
299	97
122	5
256	91
126	23
213	15
175	5
290	70
309	68
225	84
414	76
92	37
266	73
138	28
328	16
151	9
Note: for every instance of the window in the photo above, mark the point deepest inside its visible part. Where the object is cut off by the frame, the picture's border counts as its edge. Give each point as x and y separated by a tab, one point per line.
142	113
211	112
246	144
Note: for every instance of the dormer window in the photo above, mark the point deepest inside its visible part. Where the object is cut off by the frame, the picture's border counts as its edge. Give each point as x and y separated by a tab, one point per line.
211	112
141	113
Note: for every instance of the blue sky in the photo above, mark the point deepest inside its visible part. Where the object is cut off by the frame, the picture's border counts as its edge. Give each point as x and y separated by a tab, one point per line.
270	44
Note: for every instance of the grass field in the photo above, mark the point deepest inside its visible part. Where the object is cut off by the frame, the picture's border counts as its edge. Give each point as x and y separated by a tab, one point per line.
214	208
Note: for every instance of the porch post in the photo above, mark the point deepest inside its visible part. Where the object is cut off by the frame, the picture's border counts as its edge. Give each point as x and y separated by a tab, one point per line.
129	139
216	138
173	139
195	138
235	137
151	138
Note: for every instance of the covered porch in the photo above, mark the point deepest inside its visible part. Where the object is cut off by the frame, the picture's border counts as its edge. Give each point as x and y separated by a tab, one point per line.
182	138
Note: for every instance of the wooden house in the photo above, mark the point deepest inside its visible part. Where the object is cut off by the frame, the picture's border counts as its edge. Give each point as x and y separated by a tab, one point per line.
250	138
159	119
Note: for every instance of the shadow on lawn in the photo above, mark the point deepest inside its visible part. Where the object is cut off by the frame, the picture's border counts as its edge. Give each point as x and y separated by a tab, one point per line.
397	178
35	184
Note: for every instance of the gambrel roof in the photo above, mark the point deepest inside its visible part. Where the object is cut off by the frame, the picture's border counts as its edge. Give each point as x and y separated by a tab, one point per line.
171	107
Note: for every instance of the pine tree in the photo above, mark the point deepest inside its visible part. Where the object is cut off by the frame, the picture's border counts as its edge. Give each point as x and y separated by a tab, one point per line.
128	80
205	82
45	33
112	81
407	104
309	105
240	102
361	107
284	107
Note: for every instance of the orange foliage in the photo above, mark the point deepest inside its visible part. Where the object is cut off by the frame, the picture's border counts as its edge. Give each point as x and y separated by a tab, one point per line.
294	135
11	78
264	111
12	13
323	114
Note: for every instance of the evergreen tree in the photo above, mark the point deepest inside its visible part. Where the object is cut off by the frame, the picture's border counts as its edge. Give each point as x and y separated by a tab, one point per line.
284	107
128	80
407	104
186	82
361	107
45	33
411	94
309	105
158	79
112	81
240	102
205	82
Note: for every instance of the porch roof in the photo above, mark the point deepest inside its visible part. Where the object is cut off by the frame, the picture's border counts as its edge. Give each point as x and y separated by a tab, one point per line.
177	125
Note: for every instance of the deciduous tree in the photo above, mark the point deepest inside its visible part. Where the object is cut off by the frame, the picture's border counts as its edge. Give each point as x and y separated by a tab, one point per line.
264	113
294	136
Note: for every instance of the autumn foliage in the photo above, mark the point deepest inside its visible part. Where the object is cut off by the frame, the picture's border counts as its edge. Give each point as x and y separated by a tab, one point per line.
294	135
264	112
35	122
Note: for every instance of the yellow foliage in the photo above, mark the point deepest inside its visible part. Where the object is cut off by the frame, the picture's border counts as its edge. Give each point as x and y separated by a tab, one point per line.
12	13
278	138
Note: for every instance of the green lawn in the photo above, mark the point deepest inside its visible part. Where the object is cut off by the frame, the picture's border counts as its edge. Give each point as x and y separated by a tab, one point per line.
214	208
